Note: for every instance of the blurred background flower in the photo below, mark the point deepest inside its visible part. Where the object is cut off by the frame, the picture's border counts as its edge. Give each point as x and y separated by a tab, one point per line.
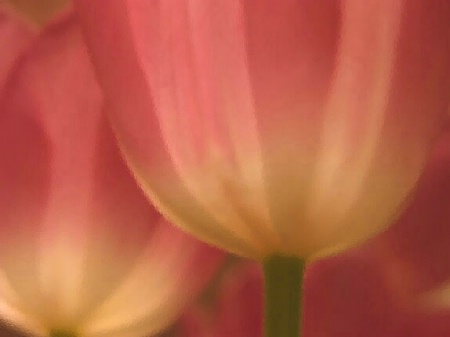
82	252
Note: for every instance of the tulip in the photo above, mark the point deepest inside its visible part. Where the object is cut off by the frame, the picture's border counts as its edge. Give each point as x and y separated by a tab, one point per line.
282	130
82	252
274	127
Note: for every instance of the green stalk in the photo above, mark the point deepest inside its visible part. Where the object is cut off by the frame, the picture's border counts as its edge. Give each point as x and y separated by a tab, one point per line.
283	280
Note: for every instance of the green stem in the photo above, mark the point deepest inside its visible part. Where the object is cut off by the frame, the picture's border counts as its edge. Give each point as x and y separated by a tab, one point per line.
283	279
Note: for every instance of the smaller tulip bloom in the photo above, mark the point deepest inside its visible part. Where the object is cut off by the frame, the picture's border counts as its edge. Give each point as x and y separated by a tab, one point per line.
82	252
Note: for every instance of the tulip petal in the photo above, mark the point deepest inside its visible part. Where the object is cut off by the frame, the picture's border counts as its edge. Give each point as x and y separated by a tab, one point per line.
187	206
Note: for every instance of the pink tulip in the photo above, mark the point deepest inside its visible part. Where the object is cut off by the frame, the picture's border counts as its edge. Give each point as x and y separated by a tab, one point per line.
274	127
82	253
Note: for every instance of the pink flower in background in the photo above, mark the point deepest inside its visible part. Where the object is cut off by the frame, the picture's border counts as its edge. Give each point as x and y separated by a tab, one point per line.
274	127
81	250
